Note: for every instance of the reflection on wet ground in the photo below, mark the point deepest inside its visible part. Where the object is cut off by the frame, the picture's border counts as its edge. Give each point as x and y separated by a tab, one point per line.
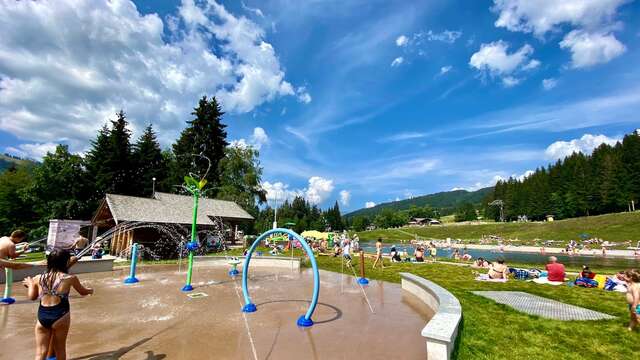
154	320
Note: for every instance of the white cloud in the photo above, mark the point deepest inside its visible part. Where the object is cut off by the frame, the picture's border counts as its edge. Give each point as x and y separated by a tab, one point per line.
256	11
319	189
369	204
590	42
240	143
404	136
549	84
588	49
586	144
303	95
419	38
523	176
510	81
345	197
447	36
65	68
500	176
445	69
481	184
32	151
397	61
278	192
258	139
402	40
494	58
541	16
531	65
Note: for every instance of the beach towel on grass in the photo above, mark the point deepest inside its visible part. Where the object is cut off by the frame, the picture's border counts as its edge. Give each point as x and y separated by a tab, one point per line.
545	280
586	282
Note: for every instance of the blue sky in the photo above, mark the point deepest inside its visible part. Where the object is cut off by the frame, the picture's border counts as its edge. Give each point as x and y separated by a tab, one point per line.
357	101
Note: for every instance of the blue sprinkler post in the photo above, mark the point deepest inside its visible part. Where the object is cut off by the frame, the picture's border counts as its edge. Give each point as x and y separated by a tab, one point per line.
234	267
134	260
8	277
304	320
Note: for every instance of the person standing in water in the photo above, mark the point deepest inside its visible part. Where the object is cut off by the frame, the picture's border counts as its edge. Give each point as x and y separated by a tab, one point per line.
378	254
52	288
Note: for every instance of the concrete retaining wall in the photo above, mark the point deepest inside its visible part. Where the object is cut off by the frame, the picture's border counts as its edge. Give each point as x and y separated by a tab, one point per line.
257	261
85	265
441	331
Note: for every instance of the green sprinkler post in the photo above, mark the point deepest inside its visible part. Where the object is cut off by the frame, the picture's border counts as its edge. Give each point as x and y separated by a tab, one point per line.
195	188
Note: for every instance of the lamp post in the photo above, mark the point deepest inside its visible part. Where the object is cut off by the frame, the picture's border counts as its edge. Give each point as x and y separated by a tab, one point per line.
153	186
275	211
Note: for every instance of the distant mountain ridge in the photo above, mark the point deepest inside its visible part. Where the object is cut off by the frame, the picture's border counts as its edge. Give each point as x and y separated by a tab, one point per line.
6	161
443	200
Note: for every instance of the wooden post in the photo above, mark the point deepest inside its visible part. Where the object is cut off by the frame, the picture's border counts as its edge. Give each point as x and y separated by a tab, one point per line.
363	280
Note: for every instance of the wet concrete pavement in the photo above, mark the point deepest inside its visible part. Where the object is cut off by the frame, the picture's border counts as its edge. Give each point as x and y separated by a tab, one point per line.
154	320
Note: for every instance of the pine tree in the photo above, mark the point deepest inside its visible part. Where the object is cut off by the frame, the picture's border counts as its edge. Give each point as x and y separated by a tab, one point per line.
109	161
204	136
149	163
100	149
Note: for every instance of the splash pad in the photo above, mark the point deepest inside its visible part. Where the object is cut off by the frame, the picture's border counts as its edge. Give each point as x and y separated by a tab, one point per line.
150	316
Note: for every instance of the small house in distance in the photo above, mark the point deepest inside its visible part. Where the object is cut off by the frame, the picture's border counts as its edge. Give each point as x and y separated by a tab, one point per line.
165	209
423	222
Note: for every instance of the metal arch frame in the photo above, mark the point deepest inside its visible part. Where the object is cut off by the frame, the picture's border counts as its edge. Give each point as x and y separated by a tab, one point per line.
304	320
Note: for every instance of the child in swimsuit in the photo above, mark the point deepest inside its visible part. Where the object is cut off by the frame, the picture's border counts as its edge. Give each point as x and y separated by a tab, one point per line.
633	296
52	289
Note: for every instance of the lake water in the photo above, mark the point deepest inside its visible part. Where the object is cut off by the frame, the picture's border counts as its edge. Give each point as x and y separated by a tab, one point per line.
521	257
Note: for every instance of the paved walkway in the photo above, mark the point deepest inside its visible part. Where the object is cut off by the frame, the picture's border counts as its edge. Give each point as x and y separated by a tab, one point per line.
539	306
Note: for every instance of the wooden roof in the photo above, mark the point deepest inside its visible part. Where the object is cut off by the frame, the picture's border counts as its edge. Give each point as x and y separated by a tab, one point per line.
167	209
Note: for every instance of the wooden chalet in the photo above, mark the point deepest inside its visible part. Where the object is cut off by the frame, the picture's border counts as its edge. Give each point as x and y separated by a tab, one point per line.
162	208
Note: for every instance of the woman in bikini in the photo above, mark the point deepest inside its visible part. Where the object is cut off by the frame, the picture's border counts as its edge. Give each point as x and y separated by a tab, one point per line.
499	270
52	289
378	254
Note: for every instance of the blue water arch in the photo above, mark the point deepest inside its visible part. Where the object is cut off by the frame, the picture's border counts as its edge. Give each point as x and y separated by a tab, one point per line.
304	320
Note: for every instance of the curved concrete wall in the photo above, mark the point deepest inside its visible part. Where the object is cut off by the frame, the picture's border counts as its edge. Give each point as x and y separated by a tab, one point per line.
85	265
441	331
257	261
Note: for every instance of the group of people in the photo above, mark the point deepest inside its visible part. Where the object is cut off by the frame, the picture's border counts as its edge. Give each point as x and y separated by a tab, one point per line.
51	288
624	281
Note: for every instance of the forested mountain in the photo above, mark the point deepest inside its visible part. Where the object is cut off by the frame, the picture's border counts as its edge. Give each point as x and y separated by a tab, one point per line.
7	161
606	181
446	202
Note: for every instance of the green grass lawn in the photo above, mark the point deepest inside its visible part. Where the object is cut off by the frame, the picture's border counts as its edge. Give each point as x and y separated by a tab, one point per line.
32	256
493	331
612	227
